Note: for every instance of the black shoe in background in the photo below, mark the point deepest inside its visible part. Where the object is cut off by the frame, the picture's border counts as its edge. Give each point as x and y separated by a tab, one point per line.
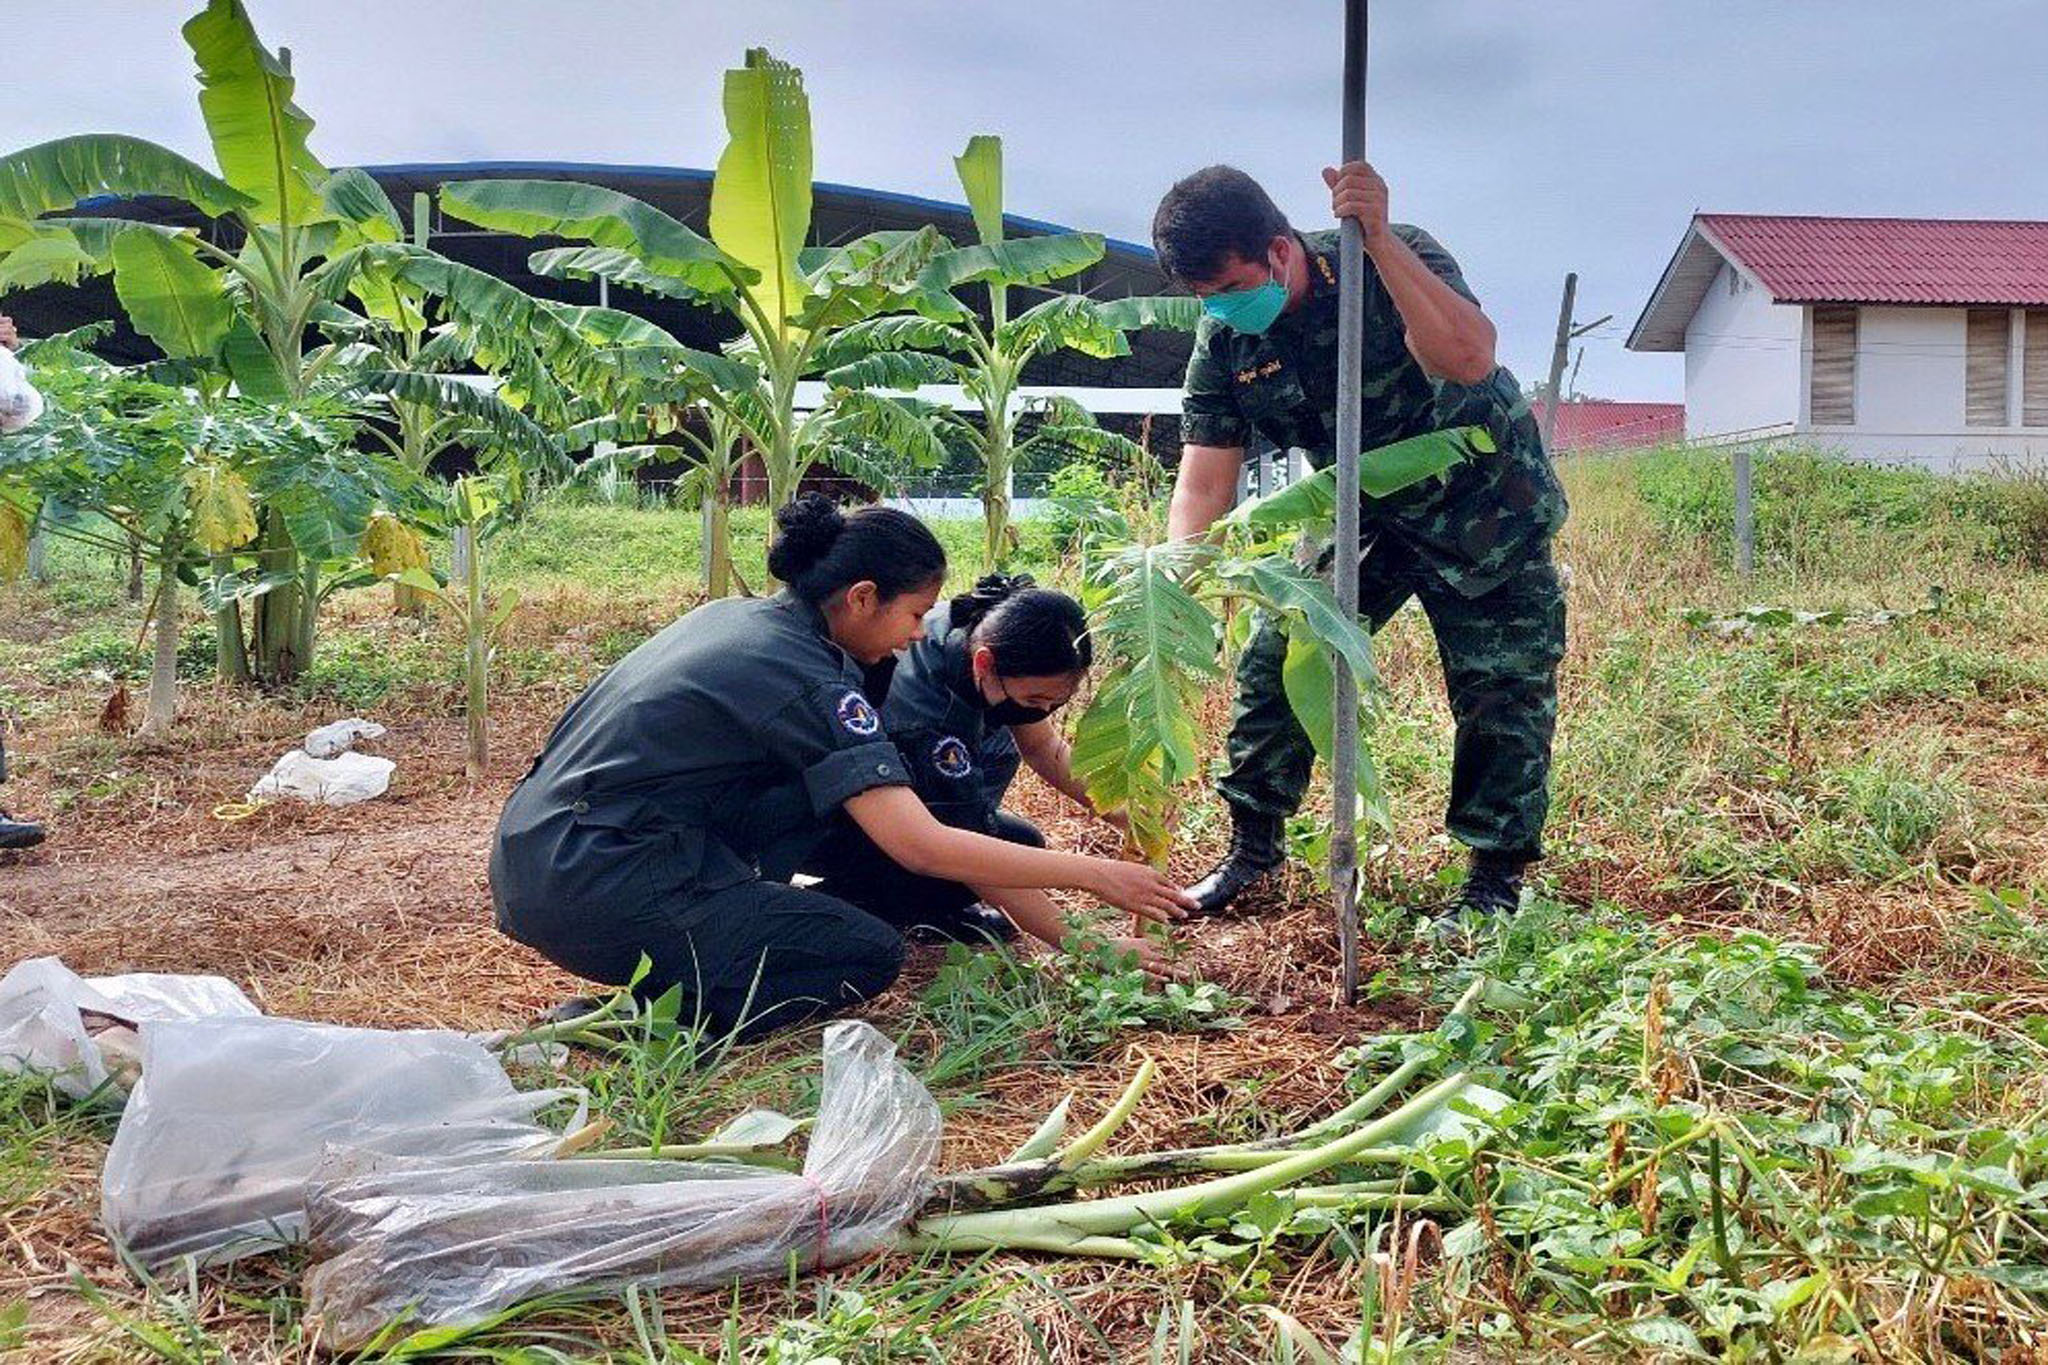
19	833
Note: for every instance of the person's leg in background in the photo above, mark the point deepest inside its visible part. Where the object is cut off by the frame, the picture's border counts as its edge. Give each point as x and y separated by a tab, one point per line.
1500	654
1269	754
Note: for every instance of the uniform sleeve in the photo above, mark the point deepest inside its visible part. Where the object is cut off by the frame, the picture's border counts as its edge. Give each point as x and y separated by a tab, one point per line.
1441	263
832	735
1208	402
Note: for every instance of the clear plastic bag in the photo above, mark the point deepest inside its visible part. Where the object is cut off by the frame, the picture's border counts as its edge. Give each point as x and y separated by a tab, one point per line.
82	1031
20	404
232	1116
455	1246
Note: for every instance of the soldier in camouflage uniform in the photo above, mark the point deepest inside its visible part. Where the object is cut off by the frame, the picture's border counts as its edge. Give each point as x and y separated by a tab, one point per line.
1472	547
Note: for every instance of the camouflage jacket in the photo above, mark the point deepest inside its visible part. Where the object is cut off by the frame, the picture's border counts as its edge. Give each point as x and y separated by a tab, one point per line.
1476	527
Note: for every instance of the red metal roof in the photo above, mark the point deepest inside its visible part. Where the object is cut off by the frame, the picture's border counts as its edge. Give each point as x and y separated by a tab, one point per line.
1583	425
1889	260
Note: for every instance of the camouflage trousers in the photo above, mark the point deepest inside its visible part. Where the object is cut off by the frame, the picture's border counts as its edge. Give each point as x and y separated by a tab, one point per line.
1500	652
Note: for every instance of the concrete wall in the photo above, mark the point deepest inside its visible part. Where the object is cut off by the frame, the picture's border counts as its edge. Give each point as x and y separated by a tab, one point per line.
1909	398
1743	369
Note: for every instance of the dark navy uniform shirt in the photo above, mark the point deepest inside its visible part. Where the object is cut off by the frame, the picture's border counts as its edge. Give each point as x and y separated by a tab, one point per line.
731	733
931	708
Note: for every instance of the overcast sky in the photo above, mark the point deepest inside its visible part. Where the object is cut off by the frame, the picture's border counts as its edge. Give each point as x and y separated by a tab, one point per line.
1531	138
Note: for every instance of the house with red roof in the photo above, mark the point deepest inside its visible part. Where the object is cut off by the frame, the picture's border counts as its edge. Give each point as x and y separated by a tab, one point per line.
1890	339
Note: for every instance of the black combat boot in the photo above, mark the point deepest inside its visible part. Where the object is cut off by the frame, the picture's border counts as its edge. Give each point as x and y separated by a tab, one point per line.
1493	885
1257	846
19	833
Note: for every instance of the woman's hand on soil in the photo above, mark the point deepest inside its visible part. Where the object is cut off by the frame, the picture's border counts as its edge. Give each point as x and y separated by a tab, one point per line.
1153	957
1142	890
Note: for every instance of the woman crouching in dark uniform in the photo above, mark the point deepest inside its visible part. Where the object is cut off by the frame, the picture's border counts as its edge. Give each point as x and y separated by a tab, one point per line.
727	742
964	706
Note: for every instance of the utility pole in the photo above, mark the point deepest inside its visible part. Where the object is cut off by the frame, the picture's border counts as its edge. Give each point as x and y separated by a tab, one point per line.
1344	552
1567	332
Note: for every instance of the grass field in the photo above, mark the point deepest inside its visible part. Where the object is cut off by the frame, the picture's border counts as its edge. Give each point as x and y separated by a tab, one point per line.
1774	1028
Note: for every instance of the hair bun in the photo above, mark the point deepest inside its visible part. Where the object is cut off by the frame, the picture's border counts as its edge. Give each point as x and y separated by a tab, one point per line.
805	528
989	592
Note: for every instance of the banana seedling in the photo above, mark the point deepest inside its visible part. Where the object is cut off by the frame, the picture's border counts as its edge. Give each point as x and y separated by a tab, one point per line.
474	508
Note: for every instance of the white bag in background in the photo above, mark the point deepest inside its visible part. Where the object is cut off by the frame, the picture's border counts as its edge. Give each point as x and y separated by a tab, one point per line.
232	1115
456	1246
339	781
20	404
43	1024
331	740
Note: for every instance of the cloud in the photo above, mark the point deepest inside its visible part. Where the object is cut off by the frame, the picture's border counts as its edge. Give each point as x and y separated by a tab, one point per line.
1532	138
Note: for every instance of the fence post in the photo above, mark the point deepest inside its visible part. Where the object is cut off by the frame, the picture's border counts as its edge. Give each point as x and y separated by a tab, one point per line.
37	568
1745	515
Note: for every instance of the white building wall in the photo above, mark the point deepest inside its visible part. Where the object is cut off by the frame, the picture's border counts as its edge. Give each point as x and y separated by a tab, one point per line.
1909	398
1742	361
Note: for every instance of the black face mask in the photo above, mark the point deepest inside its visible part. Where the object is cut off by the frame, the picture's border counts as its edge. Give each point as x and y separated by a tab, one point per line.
1007	712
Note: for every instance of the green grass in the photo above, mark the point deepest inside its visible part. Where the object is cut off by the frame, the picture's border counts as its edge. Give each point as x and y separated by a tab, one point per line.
654	551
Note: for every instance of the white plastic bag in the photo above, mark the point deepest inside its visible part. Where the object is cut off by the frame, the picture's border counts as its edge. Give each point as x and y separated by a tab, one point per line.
339	781
331	740
232	1115
20	404
455	1246
82	1029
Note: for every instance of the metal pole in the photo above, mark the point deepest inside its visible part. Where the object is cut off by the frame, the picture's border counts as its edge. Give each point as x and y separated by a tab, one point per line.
1344	557
1552	389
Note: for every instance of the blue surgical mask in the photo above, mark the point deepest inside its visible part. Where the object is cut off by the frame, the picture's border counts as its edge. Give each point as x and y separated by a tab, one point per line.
1250	311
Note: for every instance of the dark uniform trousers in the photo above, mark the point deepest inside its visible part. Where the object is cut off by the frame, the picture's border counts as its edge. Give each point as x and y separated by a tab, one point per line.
1500	652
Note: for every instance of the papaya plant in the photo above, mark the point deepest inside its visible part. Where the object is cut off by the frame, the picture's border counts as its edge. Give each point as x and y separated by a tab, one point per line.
122	457
1157	621
987	359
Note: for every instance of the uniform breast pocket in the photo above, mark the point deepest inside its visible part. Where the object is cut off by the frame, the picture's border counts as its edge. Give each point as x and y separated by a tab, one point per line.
1278	408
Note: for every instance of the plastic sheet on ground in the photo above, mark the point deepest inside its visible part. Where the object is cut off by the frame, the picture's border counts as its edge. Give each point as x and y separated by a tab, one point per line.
82	1031
452	1247
232	1115
339	781
341	736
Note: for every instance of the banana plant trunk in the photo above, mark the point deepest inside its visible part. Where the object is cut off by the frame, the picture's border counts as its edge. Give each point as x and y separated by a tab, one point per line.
995	493
717	538
162	707
281	636
230	649
477	660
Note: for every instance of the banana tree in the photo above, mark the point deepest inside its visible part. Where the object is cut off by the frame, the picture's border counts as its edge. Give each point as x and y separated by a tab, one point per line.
122	458
987	359
244	311
1157	621
789	301
710	436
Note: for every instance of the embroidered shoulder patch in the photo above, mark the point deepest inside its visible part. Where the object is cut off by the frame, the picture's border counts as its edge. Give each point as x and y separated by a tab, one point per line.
950	757
857	714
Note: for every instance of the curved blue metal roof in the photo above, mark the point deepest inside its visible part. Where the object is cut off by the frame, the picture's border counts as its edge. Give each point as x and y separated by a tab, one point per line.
453	169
